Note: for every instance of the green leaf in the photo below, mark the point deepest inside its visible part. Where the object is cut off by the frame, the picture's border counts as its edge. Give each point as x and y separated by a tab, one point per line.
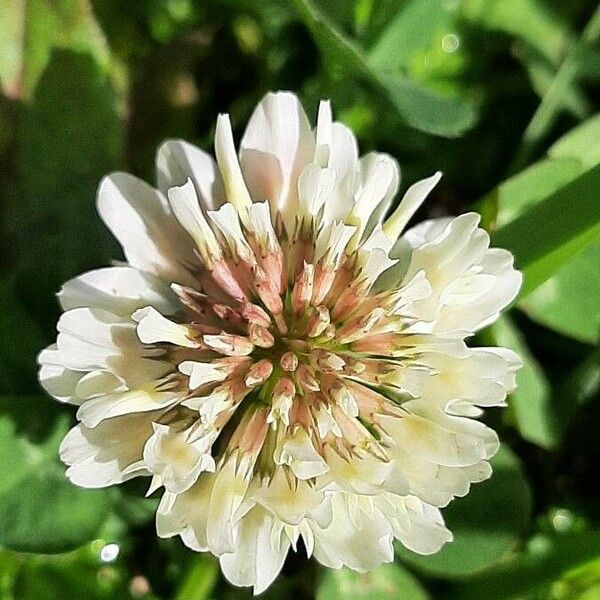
387	582
200	579
572	155
71	576
542	73
552	231
422	40
569	302
46	513
569	299
530	402
552	102
533	185
32	28
410	31
418	106
68	134
486	523
40	510
424	109
544	562
15	456
580	143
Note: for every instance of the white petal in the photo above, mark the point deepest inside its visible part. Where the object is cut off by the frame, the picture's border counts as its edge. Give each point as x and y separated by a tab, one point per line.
201	373
410	203
98	457
372	264
233	179
67	385
153	327
438	484
211	405
323	134
376	185
120	290
315	187
432	441
289	504
343	160
177	161
226	497
485	309
484	376
257	558
358	536
186	514
277	145
57	380
228	223
176	459
261	225
417	525
98	383
297	451
332	241
362	474
184	203
470	283
94	411
140	218
91	339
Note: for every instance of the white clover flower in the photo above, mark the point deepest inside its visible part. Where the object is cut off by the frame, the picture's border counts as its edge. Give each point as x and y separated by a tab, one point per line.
282	360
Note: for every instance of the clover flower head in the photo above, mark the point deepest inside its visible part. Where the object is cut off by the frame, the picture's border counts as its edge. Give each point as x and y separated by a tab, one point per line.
278	355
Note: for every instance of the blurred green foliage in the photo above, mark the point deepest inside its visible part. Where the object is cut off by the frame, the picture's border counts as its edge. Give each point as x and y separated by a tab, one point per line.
499	94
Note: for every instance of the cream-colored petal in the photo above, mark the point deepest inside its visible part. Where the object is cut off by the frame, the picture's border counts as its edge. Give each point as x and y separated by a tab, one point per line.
290	504
484	376
177	459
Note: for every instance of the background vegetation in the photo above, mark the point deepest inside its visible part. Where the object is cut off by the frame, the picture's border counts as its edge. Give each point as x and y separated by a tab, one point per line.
499	94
